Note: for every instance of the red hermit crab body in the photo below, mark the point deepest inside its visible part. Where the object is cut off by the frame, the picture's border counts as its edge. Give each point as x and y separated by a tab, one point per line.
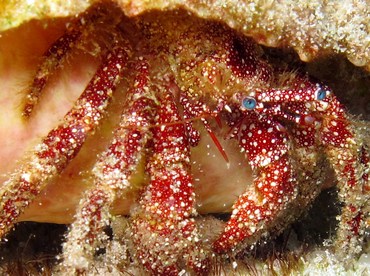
287	124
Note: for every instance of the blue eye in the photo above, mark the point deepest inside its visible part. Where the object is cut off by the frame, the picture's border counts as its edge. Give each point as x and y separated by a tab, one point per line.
320	94
249	103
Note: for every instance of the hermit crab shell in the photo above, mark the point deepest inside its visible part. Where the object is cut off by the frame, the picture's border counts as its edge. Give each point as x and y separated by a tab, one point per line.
312	28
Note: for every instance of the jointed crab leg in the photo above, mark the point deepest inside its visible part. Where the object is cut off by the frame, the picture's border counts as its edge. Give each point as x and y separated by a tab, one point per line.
164	231
111	174
305	109
348	157
56	55
52	59
266	143
273	188
62	144
350	160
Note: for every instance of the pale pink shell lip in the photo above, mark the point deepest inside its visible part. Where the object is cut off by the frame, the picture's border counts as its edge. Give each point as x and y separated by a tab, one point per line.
212	175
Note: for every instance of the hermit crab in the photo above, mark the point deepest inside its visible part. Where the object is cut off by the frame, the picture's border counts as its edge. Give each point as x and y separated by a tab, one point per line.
186	79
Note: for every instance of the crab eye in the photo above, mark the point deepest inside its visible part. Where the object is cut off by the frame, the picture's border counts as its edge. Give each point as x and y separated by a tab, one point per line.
320	94
249	103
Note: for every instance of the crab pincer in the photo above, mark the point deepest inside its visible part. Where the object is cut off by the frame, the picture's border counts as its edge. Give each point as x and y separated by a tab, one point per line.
286	134
273	189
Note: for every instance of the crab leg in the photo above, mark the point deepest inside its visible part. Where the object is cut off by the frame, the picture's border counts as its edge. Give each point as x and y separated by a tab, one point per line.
51	60
62	143
164	231
350	160
111	174
265	142
274	186
304	110
58	52
348	157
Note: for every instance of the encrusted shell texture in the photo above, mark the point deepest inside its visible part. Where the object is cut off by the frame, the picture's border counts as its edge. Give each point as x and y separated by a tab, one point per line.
312	28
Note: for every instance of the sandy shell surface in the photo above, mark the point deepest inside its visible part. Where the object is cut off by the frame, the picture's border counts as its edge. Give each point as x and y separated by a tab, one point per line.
312	28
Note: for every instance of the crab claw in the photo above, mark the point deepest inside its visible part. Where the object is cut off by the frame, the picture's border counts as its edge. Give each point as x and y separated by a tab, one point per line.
274	187
164	230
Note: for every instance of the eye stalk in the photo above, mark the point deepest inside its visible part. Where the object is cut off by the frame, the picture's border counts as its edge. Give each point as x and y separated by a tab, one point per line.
320	94
249	103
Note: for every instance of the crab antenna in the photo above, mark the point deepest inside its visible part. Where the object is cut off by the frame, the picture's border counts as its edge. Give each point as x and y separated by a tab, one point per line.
215	140
218	121
197	110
